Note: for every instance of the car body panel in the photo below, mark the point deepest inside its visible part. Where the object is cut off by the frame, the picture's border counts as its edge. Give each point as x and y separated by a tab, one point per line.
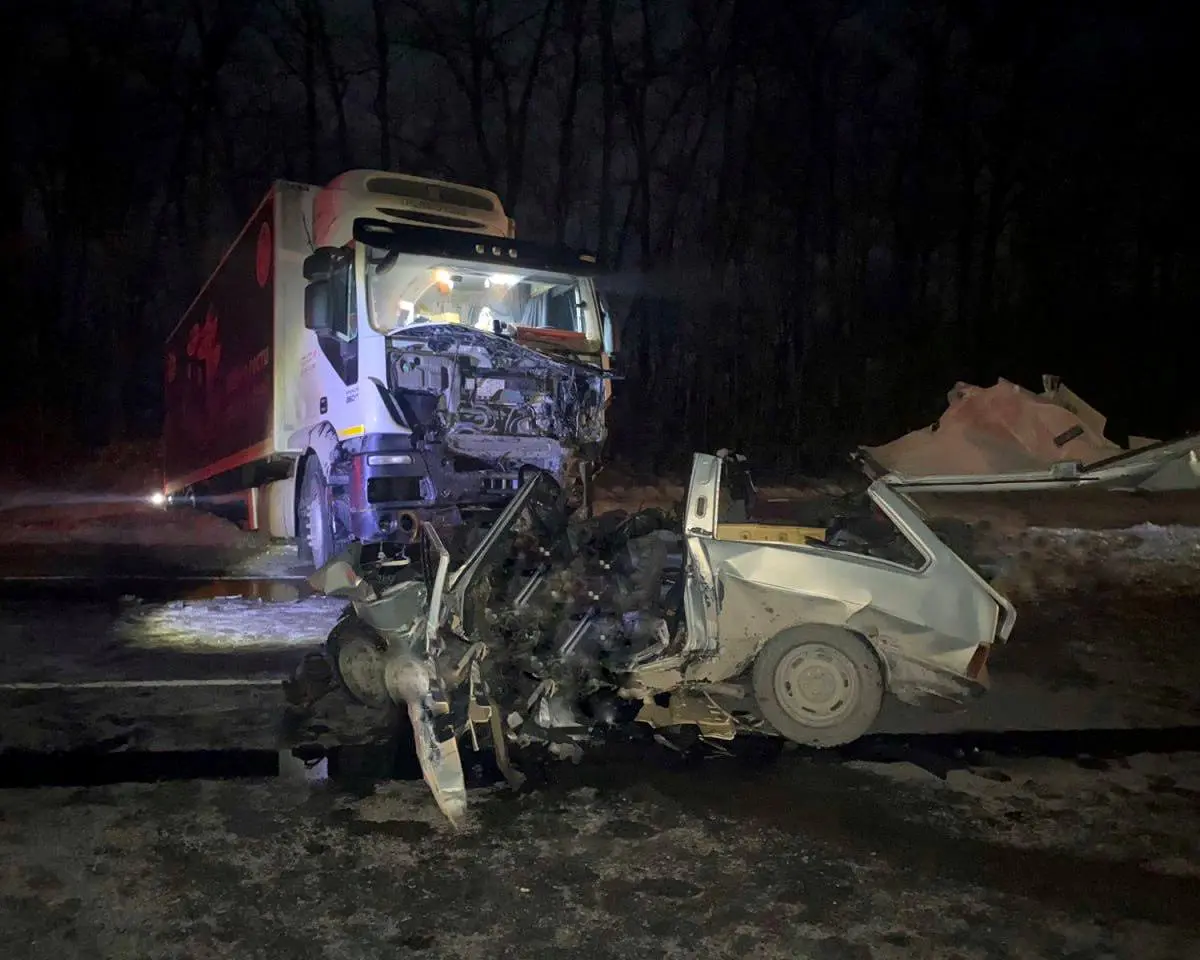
926	624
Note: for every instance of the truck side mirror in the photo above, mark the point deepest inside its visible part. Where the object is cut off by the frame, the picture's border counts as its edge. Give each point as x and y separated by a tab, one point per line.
316	307
327	295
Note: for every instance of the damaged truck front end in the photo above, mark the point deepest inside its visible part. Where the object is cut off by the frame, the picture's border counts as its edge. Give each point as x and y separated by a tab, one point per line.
495	367
555	630
495	407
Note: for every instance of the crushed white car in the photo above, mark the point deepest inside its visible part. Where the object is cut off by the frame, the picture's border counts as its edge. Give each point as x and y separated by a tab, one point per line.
554	629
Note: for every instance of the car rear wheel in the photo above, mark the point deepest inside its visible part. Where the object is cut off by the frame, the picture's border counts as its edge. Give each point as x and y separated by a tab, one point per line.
819	685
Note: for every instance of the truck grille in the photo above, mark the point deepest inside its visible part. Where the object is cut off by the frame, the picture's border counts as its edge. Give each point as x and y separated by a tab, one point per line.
393	489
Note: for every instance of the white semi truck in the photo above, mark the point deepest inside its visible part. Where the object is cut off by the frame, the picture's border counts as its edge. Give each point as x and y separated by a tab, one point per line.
378	354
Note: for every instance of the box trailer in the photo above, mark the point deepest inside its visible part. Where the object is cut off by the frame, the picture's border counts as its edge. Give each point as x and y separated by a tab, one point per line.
381	353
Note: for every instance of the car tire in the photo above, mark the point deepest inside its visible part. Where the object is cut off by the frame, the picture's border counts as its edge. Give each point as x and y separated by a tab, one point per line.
314	533
355	655
819	685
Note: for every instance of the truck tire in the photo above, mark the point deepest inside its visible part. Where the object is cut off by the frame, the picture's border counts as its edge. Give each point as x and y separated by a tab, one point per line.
819	685
314	533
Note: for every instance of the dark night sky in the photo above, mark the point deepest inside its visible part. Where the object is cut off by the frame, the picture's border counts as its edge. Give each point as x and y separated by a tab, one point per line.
819	219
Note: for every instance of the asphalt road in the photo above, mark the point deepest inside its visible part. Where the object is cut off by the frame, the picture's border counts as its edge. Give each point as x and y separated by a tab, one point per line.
942	852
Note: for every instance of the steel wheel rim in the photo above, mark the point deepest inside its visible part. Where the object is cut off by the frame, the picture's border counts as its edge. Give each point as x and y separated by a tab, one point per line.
361	666
816	685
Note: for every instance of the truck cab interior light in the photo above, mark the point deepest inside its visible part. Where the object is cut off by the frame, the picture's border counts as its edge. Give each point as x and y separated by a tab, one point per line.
503	280
388	459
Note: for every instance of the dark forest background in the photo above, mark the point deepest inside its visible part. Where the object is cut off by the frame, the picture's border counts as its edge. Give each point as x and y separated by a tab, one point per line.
819	213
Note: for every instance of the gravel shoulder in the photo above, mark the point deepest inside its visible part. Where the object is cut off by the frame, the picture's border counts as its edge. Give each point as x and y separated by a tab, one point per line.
805	860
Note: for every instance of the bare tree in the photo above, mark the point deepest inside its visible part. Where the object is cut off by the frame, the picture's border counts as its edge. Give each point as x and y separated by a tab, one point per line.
491	62
870	190
608	93
383	79
575	12
315	65
336	78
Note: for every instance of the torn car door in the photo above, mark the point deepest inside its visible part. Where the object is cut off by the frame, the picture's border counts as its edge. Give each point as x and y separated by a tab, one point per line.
701	601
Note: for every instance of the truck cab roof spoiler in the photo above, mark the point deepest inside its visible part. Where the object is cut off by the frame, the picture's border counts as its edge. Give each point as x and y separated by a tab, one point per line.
403	238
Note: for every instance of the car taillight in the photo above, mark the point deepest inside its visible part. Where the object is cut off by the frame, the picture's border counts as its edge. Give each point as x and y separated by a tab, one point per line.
978	666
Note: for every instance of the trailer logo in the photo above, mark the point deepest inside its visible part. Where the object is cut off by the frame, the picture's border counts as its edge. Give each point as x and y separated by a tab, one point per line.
204	348
262	255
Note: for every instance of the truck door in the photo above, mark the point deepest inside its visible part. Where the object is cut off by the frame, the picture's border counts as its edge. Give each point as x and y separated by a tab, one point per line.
331	313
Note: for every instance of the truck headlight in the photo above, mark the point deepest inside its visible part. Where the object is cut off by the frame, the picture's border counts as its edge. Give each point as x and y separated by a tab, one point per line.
388	459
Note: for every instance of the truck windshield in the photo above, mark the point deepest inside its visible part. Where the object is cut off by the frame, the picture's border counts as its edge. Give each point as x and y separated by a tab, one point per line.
414	291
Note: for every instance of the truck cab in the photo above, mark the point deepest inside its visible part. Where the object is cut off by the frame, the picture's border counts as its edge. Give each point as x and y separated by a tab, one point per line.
424	362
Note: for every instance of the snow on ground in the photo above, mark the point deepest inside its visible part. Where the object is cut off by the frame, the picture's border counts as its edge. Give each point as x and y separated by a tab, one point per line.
1041	561
802	860
1143	543
228	623
51	642
278	559
1133	809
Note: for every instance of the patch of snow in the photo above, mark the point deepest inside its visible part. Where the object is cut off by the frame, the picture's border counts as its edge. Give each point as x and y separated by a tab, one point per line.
1145	542
227	623
277	560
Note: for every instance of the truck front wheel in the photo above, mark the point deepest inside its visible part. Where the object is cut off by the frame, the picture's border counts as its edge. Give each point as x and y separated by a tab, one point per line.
314	534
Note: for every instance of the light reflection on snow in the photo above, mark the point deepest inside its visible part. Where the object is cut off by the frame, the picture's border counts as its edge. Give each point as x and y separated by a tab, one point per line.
298	770
229	624
276	560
